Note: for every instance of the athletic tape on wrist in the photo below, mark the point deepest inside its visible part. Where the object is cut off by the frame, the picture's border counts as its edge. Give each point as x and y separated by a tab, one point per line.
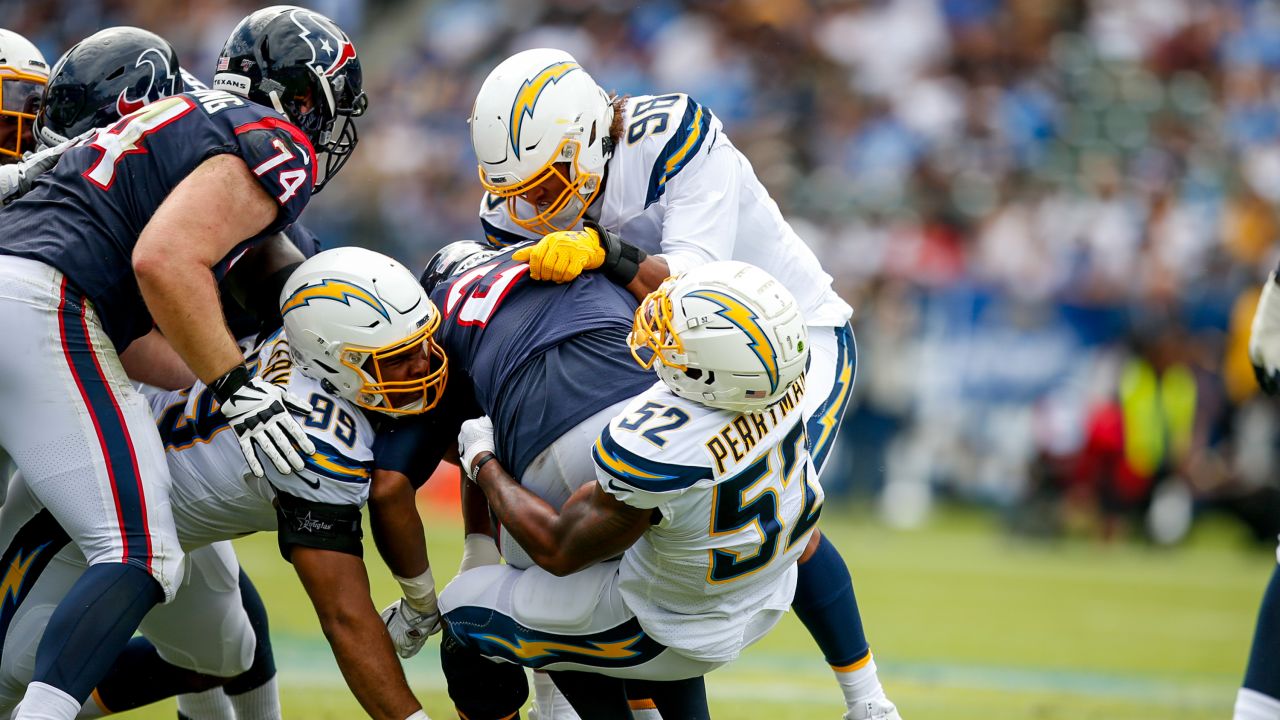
419	592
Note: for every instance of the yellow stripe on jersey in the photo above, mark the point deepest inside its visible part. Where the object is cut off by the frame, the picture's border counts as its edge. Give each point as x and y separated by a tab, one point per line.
694	136
620	466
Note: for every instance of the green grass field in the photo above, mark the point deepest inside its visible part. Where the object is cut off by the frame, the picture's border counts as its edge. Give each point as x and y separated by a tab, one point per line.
966	623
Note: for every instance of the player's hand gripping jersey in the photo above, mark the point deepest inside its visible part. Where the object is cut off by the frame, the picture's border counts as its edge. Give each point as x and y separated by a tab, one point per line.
677	186
215	497
738	496
84	217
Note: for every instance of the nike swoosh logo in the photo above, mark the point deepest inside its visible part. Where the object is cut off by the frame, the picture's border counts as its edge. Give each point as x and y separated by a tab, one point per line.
618	488
313	484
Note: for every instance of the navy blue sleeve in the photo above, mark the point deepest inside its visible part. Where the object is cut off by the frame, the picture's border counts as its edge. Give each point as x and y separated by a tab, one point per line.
414	446
283	161
303	239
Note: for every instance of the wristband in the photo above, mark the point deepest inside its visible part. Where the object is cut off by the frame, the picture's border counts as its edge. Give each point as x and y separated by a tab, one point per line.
227	385
419	592
420	715
621	259
475	469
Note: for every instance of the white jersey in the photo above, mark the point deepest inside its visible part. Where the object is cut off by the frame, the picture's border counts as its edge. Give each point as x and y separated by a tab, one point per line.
677	187
215	496
739	499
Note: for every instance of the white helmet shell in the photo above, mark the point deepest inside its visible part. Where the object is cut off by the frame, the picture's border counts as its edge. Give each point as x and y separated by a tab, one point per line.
726	334
23	76
345	307
537	110
18	55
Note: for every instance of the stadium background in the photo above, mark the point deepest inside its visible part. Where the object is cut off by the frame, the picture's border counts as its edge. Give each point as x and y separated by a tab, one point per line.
1052	217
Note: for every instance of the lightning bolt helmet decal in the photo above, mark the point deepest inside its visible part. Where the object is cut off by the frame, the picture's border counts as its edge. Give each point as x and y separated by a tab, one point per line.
745	320
330	289
528	94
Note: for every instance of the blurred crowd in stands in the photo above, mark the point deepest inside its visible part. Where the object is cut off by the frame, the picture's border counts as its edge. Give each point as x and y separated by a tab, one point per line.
1051	216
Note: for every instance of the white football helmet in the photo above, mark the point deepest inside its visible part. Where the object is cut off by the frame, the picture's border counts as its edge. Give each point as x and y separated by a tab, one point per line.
539	117
23	75
348	313
726	334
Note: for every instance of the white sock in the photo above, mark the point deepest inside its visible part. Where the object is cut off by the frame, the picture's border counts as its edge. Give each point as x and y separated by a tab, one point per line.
46	702
548	702
260	703
1253	705
208	705
859	681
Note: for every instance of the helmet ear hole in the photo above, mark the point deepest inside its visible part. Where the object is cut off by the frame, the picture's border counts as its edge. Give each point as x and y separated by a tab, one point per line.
327	368
693	373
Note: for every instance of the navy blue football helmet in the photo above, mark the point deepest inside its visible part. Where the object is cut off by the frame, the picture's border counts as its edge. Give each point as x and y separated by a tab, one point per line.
303	65
453	260
104	77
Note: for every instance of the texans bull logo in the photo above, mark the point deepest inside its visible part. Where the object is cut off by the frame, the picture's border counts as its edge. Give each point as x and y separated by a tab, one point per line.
330	48
160	84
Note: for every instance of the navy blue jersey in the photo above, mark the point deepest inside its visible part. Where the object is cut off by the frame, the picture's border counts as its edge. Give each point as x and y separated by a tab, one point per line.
540	356
243	322
84	217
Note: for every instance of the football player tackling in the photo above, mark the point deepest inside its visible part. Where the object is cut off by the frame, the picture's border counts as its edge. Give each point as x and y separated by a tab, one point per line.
704	485
658	172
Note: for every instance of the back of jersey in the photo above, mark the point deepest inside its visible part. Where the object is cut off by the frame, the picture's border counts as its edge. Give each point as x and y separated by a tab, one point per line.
738	497
496	319
215	497
84	216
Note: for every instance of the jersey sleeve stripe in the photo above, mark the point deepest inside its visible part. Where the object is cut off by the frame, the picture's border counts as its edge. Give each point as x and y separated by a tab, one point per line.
329	462
270	123
683	146
642	473
499	237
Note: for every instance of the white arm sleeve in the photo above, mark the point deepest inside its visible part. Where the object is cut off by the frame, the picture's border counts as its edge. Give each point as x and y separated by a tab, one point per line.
700	223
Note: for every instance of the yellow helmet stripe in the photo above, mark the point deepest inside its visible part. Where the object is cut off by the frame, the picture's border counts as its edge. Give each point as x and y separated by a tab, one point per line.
742	316
330	289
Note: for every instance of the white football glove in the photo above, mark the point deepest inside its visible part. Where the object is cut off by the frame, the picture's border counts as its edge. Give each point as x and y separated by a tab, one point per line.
258	412
16	179
410	628
1264	340
475	438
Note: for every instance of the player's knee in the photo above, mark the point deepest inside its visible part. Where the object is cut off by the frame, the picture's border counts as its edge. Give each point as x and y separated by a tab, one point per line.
220	652
481	689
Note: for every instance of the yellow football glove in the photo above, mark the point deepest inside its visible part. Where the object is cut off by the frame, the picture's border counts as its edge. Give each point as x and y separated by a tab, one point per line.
562	256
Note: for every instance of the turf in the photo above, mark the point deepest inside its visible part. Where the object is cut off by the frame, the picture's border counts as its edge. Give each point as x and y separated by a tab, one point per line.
966	623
